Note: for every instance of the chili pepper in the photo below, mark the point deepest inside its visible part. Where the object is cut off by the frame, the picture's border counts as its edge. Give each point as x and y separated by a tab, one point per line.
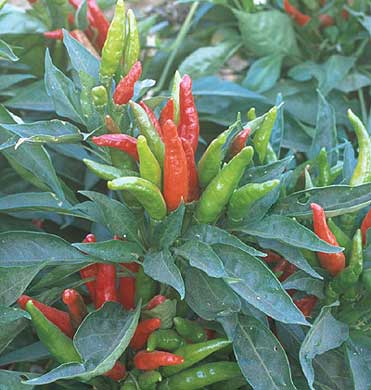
190	330
114	44
210	162
290	269
244	197
326	20
147	129
306	304
105	285
164	339
263	134
143	331
271	155
176	96
130	383
188	127
152	117
365	225
148	361
111	125
81	37
239	142
91	270
59	318
310	257
149	378
117	372
300	18
332	262
251	114
76	306
155	301
207	374
210	334
107	172
218	193
324	177
341	237
193	184
362	172
271	257
98	21
100	97
55	34
125	88
149	168
122	142
132	49
59	345
127	287
146	287
175	168
147	194
366	279
280	268
167	113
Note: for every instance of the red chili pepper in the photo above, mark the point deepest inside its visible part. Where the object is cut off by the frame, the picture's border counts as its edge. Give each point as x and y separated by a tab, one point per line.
55	34
143	331
76	306
123	142
239	142
175	168
148	361
127	287
272	257
326	20
98	21
290	269
366	224
91	270
210	334
105	285
306	304
117	372
59	318
71	19
155	301
75	4
193	183
152	117
300	18
125	88
189	127
332	262
167	112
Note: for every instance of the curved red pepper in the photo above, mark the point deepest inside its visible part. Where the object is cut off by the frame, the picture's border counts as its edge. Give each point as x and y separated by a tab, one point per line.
365	225
155	301
300	18
239	142
306	304
98	21
117	372
143	331
148	361
123	142
55	34
193	183
125	88
91	270
167	112
105	285
152	117
76	306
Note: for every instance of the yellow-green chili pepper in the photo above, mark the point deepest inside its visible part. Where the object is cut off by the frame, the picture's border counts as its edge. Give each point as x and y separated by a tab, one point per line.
107	172
175	95
149	168
132	48
100	97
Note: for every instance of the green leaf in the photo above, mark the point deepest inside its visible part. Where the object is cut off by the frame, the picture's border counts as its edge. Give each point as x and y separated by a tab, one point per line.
336	200
6	52
263	173
13	380
19	249
209	298
353	82
302	282
161	267
202	256
326	333
7	81
81	16
10	314
29	353
166	311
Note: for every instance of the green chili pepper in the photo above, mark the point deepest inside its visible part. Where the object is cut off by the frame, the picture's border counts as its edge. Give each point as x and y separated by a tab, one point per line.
352	294
324	177
145	287
149	167
190	330
263	133
341	237
271	155
107	172
251	114
218	193
310	257
204	375
130	383
175	96
114	45
366	279
237	383
149	378
147	129
132	48
308	179
58	344
211	160
100	97
362	172
245	196
147	194
164	339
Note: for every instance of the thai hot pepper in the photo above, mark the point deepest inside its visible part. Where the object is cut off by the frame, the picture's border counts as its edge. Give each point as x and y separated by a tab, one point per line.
148	361
98	21
54	34
114	44
365	225
152	117
117	372
218	193
58	344
188	127
122	142
306	304
147	194
76	306
91	270
105	285
127	287
59	318
100	97
175	95
143	331
149	168
300	18
324	177
167	113
149	378
111	125
239	142
175	168
146	287
251	114
165	339
194	353
207	374
125	88
107	172
341	237
332	262
155	301
245	196
132	49
190	330
193	184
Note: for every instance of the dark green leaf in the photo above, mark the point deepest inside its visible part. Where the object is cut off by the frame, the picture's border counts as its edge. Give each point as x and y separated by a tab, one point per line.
302	282
10	314
31	353
12	380
6	52
166	311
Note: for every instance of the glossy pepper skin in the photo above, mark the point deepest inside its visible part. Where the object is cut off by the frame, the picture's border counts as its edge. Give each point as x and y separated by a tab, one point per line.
164	339
149	378
306	304
324	177
105	285
117	372
188	127
148	361
362	172
143	331
100	96
193	183
190	330
218	193
132	47
167	113
122	142
300	18
125	88
127	287
152	117
332	262
194	353
155	301
204	375
76	306
341	237
146	287
365	225
242	198
114	44
239	142
98	21
91	270
59	318
175	168
149	168
58	344
147	194
107	172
